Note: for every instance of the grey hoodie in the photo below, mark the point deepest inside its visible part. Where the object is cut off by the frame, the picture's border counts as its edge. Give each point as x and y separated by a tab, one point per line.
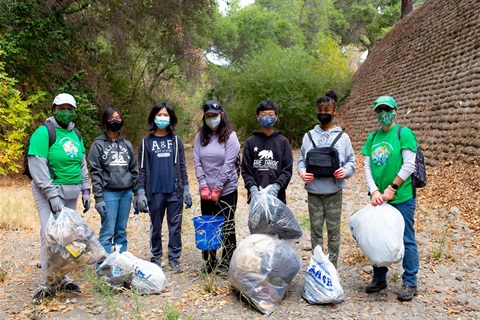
324	138
113	165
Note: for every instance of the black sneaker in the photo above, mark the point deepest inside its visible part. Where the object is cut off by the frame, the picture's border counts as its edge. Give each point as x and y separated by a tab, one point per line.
376	286
222	270
40	295
71	287
407	293
174	266
157	261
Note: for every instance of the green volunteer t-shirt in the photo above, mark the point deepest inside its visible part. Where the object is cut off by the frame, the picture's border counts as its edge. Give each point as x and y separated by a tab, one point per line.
385	152
65	155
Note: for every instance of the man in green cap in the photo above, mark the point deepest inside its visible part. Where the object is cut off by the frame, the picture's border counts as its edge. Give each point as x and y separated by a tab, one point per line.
389	163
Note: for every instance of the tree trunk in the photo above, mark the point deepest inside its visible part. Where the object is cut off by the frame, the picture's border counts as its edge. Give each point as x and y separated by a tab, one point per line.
407	7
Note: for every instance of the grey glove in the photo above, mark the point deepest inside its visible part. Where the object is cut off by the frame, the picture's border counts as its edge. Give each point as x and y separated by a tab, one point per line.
273	189
141	201
86	200
253	191
101	208
187	197
56	204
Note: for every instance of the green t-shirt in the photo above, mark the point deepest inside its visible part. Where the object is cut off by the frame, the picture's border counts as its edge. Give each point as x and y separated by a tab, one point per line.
385	152
65	155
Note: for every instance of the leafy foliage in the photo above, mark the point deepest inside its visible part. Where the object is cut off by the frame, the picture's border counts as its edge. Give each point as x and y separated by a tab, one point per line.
293	79
15	119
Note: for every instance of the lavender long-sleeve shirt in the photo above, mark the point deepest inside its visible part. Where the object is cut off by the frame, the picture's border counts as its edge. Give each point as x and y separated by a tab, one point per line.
215	163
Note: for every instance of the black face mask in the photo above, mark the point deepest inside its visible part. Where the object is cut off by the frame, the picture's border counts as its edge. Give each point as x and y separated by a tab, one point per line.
114	125
324	118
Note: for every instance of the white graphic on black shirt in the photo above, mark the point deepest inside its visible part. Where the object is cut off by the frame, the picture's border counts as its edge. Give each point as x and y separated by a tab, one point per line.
265	160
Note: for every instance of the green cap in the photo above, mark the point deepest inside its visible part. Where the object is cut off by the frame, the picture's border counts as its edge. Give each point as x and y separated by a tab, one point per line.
386	100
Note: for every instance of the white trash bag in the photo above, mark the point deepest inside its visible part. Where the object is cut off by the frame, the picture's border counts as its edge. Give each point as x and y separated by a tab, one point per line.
322	283
378	231
124	269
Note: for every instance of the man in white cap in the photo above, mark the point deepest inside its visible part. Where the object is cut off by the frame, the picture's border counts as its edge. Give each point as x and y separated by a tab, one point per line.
57	164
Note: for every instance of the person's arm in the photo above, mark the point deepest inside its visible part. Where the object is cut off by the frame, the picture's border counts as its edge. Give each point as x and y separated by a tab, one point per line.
247	166
133	167
94	158
182	161
232	148
376	196
349	164
285	175
38	167
199	172
408	167
142	154
302	165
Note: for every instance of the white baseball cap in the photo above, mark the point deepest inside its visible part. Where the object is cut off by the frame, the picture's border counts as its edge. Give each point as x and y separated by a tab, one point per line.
64	98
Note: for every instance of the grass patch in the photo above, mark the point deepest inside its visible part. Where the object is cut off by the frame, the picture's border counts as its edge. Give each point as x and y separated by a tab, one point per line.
17	209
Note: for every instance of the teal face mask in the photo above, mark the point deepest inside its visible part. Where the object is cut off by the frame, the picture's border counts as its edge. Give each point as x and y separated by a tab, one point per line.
64	116
386	118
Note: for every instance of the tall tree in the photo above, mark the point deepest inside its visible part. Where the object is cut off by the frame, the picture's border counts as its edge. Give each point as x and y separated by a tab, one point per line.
407	7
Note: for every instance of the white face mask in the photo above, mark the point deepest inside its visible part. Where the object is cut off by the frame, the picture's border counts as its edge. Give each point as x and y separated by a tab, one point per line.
213	122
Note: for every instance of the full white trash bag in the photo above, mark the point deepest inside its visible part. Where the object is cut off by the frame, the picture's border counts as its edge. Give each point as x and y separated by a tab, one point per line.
378	231
322	284
69	244
124	269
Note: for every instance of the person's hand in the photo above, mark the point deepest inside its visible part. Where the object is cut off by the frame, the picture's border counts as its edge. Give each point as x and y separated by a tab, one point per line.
86	200
377	198
389	193
101	208
216	194
142	202
340	173
253	191
56	204
273	189
187	197
205	193
306	177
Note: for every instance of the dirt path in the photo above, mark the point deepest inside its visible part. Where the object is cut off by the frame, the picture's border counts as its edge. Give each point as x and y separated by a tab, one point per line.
449	279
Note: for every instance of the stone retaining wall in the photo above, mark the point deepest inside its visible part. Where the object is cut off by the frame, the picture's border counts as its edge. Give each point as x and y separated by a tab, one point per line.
430	63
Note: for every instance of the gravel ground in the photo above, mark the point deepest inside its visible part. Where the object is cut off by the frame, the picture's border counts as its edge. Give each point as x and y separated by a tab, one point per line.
449	279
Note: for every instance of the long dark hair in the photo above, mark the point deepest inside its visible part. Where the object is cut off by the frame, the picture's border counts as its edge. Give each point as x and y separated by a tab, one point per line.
224	130
107	114
151	117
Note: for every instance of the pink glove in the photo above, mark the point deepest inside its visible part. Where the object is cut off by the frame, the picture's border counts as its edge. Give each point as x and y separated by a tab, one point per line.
205	193
216	194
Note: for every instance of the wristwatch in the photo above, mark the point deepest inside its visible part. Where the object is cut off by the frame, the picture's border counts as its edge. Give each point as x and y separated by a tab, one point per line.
394	186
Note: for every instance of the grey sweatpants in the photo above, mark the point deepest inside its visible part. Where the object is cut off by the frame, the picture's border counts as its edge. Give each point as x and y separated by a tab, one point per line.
69	194
326	209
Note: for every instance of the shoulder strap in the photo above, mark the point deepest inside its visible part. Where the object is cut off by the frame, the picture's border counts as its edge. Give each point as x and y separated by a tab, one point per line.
336	139
52	136
311	139
79	135
398	132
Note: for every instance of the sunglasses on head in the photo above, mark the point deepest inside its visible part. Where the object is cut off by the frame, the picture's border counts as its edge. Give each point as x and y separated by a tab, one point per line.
383	108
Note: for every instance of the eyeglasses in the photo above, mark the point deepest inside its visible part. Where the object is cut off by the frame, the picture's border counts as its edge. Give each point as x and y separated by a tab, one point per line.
385	108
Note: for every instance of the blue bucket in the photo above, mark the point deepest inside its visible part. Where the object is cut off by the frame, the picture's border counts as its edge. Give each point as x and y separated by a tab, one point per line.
208	232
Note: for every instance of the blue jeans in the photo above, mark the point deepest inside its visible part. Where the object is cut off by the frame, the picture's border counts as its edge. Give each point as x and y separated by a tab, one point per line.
114	226
410	259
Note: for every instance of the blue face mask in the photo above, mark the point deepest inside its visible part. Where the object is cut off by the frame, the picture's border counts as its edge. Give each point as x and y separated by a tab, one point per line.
267	121
162	122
